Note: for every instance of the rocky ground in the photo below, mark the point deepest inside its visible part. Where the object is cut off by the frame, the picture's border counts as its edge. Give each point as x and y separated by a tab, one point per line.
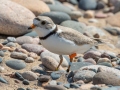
26	65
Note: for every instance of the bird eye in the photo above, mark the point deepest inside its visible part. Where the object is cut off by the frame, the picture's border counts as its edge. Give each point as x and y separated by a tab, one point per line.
43	22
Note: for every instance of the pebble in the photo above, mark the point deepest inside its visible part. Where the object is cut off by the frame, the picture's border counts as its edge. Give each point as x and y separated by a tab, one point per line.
11	39
31	34
74	25
100	5
3	80
59	83
18	55
57	17
29	75
15	64
2	53
26	82
21	50
53	82
100	60
105	64
20	89
108	78
90	60
56	74
38	69
86	86
100	15
11	44
1	60
33	48
74	2
85	75
29	60
54	87
19	76
95	88
77	65
5	42
44	78
105	55
67	85
50	64
80	82
33	55
80	59
54	57
93	20
89	14
74	85
88	4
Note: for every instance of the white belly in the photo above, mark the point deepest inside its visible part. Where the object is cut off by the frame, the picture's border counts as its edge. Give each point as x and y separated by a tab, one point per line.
63	46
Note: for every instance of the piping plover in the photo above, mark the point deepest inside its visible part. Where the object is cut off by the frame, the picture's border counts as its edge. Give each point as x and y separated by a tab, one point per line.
61	40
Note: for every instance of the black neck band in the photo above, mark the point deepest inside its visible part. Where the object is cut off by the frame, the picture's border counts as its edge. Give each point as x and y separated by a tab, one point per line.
49	34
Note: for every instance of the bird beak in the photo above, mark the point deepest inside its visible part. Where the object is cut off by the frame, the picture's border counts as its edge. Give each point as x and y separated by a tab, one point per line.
32	26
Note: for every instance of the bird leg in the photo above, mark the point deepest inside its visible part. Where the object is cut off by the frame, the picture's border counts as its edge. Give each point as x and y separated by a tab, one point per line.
61	60
71	59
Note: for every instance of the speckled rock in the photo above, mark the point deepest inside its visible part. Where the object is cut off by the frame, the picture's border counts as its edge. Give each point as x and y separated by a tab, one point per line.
74	25
29	75
31	5
54	57
15	64
108	78
57	17
50	64
18	55
17	22
27	40
29	60
33	48
85	75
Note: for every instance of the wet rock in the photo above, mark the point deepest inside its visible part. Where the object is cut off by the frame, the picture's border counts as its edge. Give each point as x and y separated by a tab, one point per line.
85	75
15	64
105	64
44	78
18	55
29	60
29	75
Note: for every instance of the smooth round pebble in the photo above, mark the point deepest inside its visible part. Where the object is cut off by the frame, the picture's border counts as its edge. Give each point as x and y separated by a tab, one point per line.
100	60
67	85
11	44
20	89
29	75
1	60
16	64
29	60
2	53
90	60
53	82
54	87
5	42
105	64
38	69
3	80
80	59
11	39
26	82
44	78
85	75
33	55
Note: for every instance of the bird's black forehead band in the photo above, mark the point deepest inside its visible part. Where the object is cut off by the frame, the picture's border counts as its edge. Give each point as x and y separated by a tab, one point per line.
37	19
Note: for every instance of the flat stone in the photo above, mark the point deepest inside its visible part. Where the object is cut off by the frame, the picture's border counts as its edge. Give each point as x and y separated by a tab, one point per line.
3	80
54	87
44	78
15	64
29	60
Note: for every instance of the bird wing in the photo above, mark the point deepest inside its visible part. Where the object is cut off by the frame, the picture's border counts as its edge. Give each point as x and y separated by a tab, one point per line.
75	36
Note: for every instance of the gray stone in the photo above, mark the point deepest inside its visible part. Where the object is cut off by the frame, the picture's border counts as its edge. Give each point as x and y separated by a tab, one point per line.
67	85
11	39
85	75
18	55
2	53
3	80
74	2
57	17
26	82
53	82
88	4
81	27
44	78
29	60
74	85
29	75
5	42
11	44
105	64
17	22
1	60
54	87
15	64
33	48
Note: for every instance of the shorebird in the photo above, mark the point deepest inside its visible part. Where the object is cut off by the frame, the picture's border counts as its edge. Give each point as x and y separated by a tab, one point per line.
61	40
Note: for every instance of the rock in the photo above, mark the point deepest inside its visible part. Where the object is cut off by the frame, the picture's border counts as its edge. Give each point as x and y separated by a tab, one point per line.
38	69
92	54
31	5
11	44
87	4
44	78
1	60
69	5
33	48
20	50
29	60
3	80
104	68
57	74
11	39
54	57
81	59
77	65
67	85
5	42
116	6
26	82
20	89
18	55
90	60
54	87
59	83
114	20
49	1
96	88
33	55
80	82
100	60
29	75
93	20
15	64
19	76
26	40
100	5
75	15
53	82
100	15
86	86
50	64
57	17
74	85
2	53
17	22
74	2
105	55
89	14
108	78
105	64
85	75
74	25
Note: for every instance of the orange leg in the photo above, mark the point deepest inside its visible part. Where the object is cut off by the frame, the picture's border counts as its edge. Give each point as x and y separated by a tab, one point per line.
71	59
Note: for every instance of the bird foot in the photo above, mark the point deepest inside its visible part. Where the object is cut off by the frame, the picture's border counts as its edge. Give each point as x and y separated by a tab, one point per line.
67	70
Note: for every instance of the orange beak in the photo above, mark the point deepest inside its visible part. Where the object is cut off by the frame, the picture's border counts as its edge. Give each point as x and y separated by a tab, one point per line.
32	26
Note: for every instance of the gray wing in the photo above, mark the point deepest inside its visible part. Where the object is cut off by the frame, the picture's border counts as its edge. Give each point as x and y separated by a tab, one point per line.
75	36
